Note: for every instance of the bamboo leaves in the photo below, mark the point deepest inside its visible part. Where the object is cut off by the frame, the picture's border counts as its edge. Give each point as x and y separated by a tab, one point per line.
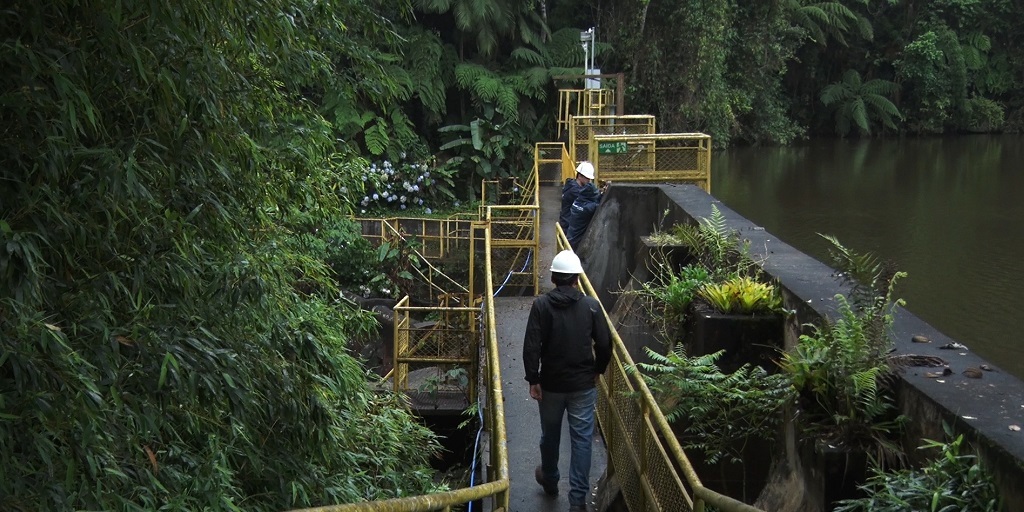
165	340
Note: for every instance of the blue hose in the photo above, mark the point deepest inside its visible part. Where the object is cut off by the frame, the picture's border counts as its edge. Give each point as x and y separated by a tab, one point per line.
480	411
529	255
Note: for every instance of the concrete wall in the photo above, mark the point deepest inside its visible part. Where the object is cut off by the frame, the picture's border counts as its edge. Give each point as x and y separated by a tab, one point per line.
982	409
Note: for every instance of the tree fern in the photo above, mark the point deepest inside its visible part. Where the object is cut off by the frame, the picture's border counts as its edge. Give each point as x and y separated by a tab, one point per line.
376	136
861	103
830	18
529	56
429	63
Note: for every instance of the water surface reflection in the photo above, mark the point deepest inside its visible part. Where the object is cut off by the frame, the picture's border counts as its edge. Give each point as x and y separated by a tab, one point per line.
947	211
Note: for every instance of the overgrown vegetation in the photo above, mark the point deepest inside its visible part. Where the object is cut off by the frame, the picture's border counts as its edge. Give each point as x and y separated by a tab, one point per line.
171	336
720	272
772	72
951	482
670	293
719	413
841	368
715	247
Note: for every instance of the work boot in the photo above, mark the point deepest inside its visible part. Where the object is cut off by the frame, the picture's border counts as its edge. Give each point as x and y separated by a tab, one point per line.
550	488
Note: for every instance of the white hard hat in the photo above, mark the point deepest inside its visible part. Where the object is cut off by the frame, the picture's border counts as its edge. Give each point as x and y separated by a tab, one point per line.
566	262
586	169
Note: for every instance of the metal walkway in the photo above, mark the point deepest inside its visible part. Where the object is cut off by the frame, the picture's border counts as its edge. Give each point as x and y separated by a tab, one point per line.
521	417
517	236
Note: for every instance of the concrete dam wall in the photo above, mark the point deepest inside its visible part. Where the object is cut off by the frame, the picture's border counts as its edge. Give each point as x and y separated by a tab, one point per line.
985	409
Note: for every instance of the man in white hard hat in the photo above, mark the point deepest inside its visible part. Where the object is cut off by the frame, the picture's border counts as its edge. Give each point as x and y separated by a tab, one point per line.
566	348
572	188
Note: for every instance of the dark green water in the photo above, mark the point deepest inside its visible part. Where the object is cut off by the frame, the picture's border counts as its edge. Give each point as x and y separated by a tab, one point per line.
948	211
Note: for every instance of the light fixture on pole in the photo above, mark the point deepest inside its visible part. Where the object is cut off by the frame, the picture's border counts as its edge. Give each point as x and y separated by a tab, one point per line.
588	40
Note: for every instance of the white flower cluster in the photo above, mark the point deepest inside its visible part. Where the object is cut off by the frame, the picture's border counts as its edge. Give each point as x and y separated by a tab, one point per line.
403	185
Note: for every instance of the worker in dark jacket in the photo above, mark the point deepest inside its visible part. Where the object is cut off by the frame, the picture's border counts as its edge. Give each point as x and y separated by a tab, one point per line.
580	214
566	348
572	188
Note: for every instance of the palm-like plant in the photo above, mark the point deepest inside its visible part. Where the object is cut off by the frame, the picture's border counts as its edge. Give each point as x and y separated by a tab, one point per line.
861	103
485	22
831	18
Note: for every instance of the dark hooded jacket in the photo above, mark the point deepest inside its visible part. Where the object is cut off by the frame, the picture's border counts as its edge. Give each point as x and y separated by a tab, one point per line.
580	213
567	341
569	192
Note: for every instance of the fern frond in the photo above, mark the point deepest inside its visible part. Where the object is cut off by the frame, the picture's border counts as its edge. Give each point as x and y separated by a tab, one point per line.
486	87
859	115
508	103
833	93
535	79
376	137
529	56
879	87
468	73
564	49
884	108
435	6
865	29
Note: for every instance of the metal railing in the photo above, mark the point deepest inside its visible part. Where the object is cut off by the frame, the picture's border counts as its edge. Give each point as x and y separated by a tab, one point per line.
439	242
433	352
496	489
460	336
553	163
583	129
666	157
653	469
583	102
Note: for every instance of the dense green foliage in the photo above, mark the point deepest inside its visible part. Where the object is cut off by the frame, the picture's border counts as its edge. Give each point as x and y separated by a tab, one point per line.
841	369
719	272
718	413
950	483
670	292
171	336
756	71
173	177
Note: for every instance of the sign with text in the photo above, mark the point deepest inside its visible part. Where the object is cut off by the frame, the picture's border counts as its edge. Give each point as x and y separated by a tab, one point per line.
612	147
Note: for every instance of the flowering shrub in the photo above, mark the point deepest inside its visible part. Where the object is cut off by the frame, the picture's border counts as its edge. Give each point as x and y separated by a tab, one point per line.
405	185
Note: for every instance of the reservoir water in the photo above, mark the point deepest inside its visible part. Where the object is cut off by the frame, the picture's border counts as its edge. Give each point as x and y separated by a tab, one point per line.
949	211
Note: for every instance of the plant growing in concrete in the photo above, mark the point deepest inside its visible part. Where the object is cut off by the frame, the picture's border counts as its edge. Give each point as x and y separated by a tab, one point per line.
715	247
719	412
951	482
741	294
721	273
670	293
841	369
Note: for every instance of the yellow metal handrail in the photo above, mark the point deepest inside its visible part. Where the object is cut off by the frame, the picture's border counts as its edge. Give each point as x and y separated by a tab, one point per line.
585	101
663	157
436	280
546	153
498	487
646	450
437	345
583	129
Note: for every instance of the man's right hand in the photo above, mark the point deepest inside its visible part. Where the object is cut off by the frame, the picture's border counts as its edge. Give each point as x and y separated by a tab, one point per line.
535	392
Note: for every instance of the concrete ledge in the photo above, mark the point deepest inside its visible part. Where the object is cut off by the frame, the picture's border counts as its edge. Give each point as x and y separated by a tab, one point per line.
982	409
